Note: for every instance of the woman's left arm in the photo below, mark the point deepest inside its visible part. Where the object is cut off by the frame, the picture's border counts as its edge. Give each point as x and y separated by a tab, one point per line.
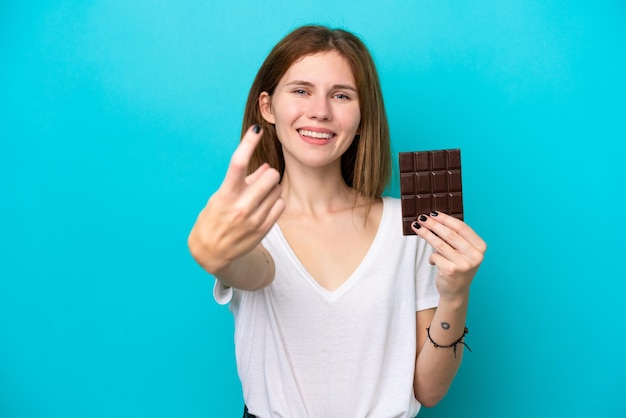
459	251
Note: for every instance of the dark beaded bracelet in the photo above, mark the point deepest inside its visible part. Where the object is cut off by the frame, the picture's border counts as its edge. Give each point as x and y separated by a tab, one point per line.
454	344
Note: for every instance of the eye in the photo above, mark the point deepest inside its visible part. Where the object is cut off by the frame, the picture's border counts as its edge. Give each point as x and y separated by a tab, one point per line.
342	96
299	92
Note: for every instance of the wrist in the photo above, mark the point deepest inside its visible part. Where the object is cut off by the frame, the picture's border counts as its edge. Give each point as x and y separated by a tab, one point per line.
454	301
452	345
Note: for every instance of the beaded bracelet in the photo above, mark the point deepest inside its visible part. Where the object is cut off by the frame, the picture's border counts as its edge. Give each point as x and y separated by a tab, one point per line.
453	345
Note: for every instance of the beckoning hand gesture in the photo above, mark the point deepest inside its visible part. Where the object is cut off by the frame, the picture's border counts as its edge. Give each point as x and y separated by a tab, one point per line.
240	212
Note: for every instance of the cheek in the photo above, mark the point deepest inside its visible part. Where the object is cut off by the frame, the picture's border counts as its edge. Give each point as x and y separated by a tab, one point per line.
286	114
284	119
356	120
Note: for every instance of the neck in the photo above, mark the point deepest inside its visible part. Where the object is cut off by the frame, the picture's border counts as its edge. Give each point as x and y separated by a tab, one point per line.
311	192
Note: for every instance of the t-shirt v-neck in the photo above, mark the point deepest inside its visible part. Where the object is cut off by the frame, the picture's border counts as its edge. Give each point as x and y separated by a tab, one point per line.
335	294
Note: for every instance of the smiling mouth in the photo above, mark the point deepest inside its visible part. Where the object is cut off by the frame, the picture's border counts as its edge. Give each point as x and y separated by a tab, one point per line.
316	135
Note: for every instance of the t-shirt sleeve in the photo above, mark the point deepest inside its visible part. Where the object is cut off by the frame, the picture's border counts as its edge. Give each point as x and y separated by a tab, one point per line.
222	294
426	293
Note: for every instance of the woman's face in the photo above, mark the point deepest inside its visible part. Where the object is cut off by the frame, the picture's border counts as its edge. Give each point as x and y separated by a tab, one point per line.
315	109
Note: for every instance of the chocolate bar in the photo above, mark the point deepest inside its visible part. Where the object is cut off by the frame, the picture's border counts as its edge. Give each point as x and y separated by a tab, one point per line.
430	181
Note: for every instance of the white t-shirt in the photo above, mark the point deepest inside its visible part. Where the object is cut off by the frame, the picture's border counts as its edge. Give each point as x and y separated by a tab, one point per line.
303	351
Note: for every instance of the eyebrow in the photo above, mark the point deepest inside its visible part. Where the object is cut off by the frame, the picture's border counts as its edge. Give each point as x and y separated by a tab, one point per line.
309	84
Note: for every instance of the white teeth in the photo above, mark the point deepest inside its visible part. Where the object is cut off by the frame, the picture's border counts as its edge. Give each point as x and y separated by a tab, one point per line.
318	135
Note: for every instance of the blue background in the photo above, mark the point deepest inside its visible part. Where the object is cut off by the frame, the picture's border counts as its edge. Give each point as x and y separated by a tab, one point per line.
117	120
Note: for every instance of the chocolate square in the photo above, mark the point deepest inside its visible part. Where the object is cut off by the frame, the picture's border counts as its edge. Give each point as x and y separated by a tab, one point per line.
429	181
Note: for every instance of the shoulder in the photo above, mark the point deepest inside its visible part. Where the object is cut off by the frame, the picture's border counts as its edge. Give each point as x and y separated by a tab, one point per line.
391	220
392	202
392	208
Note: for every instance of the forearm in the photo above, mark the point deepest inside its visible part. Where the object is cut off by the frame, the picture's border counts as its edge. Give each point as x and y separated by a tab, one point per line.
436	366
250	271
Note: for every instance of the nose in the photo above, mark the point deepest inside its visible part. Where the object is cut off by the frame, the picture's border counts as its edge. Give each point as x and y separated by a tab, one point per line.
319	108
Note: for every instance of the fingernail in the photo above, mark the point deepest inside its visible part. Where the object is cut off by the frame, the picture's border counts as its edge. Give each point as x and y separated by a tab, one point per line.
434	213
416	225
256	128
423	218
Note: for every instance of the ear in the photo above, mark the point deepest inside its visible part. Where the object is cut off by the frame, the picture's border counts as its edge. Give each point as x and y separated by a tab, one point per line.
265	105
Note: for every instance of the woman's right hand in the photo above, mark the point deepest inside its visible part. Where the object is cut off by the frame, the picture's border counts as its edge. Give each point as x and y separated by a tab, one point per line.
240	213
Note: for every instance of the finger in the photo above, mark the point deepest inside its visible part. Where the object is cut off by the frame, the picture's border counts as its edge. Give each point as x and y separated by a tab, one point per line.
240	159
258	215
269	210
274	214
256	192
257	173
446	267
461	228
424	228
448	244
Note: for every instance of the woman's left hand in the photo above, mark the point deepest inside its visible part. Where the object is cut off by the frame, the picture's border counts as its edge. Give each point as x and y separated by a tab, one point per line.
458	252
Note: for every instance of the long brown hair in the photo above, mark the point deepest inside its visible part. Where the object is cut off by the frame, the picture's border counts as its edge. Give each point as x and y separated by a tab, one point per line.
366	165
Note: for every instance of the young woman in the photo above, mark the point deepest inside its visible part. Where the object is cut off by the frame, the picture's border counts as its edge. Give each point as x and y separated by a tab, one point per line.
337	314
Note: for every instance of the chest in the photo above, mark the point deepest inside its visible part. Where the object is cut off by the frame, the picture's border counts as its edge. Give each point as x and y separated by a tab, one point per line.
330	250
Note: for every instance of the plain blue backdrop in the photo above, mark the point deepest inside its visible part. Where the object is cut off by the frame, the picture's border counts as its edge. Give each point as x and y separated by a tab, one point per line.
117	120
